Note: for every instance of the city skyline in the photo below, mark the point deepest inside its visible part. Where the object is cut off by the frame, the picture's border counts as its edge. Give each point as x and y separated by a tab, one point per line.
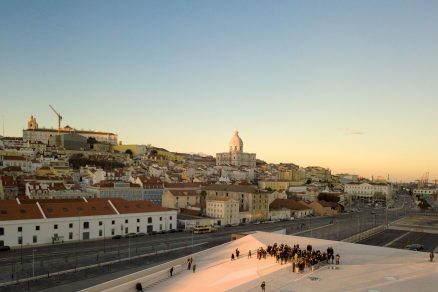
308	83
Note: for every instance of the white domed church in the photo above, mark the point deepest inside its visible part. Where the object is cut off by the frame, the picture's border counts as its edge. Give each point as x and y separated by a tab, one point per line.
236	156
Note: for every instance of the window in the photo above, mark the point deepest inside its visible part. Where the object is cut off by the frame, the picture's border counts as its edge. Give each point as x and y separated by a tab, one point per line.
161	218
170	226
2	231
37	227
113	231
100	223
70	225
170	217
113	222
86	225
55	226
138	220
149	219
161	227
70	235
126	220
20	229
20	240
138	229
100	232
35	239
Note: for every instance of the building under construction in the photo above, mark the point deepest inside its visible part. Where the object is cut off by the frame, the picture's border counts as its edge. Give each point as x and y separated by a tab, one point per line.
34	133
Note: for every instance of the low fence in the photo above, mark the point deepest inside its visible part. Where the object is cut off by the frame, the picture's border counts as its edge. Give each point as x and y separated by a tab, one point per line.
48	275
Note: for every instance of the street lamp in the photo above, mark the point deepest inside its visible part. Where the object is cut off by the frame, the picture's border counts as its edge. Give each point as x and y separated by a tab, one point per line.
21	247
104	246
33	262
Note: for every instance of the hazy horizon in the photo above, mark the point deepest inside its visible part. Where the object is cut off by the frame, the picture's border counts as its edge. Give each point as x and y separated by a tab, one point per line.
350	86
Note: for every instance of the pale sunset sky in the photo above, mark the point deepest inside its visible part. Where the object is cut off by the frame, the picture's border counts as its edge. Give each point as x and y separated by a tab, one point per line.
348	85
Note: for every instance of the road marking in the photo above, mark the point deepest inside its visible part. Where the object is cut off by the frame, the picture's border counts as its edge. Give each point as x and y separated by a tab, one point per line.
397	239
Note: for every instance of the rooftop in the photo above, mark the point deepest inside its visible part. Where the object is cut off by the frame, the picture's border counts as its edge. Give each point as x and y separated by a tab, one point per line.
362	268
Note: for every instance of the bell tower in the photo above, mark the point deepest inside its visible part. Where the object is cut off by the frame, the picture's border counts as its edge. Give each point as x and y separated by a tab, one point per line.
32	123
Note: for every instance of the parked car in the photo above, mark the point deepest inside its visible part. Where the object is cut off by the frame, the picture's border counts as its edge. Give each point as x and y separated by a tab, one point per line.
415	246
153	233
130	235
4	248
228	225
117	237
140	234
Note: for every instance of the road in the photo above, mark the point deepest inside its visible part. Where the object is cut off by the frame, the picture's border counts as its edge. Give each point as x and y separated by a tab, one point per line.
18	264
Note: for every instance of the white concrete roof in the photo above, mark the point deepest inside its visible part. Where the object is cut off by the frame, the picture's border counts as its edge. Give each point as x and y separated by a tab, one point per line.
362	268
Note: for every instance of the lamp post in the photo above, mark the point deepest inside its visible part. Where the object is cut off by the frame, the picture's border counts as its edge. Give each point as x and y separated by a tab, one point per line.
104	238
33	262
21	247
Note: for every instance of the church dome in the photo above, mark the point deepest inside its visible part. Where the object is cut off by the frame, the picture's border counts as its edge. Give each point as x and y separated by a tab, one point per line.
236	144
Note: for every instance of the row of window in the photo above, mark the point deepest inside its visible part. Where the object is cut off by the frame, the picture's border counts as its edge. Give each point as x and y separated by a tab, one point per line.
86	224
86	235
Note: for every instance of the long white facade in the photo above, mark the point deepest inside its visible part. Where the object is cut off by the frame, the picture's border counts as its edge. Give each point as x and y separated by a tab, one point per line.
34	133
41	229
369	190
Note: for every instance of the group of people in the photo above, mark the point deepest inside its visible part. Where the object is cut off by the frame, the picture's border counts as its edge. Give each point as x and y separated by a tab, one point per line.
237	254
299	257
190	264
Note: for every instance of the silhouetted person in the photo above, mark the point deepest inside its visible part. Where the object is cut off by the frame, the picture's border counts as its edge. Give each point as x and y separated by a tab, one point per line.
431	255
194	268
139	287
263	285
171	271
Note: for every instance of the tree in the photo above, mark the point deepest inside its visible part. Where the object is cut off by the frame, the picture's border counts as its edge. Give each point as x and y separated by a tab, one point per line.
328	197
423	204
129	152
91	141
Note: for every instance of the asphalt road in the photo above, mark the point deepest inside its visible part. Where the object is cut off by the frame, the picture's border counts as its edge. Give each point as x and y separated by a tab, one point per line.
43	260
399	239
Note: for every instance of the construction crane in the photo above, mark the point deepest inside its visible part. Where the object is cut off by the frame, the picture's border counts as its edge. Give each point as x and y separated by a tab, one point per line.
59	118
424	180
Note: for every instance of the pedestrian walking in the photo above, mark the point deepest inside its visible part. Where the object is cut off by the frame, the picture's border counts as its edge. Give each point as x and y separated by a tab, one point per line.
139	287
249	254
263	285
194	268
189	265
232	256
338	257
431	256
237	253
171	271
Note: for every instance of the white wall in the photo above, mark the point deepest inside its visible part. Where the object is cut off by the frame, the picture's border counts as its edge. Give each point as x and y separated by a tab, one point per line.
47	229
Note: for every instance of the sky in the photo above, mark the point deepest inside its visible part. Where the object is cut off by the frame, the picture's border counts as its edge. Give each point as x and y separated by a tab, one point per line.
348	85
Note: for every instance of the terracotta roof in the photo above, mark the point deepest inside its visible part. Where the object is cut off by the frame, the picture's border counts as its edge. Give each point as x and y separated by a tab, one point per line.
288	204
125	207
13	157
232	188
12	168
74	209
182	185
182	193
13	211
41	201
8	181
